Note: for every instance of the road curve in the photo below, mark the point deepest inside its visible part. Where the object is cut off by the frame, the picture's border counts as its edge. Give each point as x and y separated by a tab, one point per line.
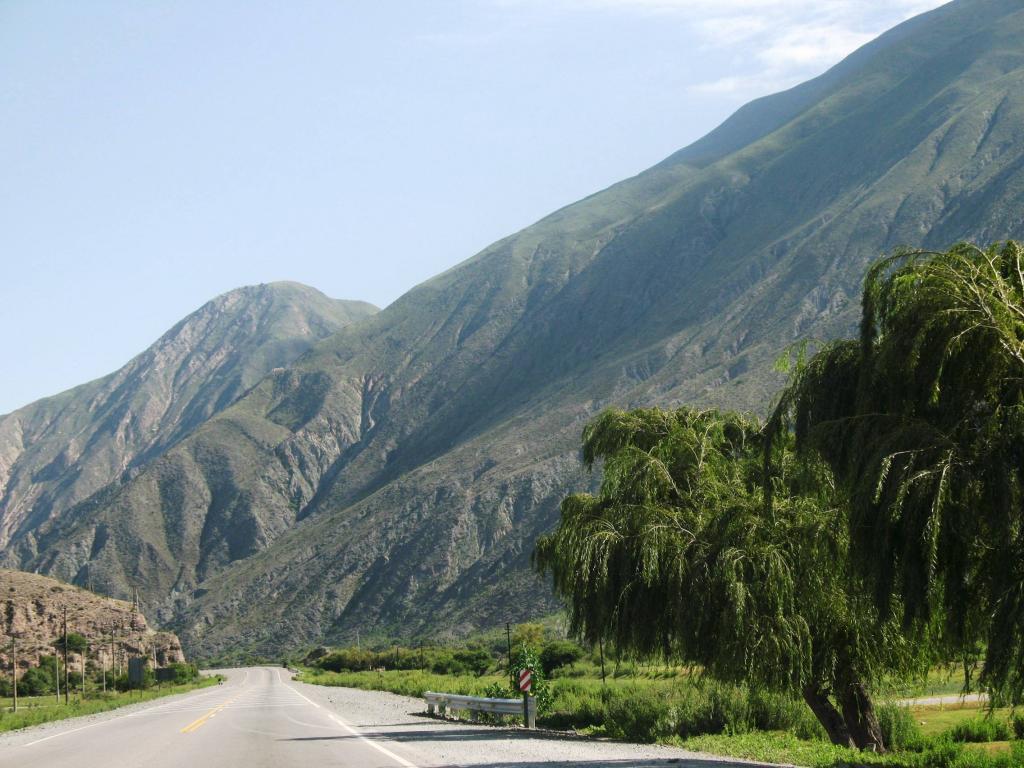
257	718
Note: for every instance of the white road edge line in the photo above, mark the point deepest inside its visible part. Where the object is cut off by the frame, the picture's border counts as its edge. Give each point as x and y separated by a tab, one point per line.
383	750
121	717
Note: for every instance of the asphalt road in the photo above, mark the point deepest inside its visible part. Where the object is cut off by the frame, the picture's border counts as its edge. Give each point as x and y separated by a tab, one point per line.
257	718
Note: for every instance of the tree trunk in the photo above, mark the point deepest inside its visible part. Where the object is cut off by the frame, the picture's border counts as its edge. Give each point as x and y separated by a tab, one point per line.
861	718
827	715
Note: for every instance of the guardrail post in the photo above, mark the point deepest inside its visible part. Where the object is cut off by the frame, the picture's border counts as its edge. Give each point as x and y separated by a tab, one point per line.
531	712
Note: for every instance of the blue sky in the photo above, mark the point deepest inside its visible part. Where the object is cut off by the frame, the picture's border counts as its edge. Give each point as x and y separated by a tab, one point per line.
156	154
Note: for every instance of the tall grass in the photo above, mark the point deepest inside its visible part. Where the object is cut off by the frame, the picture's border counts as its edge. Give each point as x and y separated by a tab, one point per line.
639	709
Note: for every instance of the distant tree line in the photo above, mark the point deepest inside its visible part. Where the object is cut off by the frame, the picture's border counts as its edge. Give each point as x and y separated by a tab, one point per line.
445	660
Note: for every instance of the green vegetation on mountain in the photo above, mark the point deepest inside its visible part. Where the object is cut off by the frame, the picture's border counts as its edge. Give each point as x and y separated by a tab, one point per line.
393	480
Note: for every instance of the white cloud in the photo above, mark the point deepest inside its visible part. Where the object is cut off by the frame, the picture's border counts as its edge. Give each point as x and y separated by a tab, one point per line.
777	43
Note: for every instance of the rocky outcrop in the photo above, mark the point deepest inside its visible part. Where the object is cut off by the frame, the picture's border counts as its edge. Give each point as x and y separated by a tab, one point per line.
32	608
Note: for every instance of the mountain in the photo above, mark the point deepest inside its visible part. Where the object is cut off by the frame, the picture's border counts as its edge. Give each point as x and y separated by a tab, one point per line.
61	450
394	478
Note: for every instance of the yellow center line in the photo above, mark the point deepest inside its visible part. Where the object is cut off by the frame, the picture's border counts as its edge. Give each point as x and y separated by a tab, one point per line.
201	721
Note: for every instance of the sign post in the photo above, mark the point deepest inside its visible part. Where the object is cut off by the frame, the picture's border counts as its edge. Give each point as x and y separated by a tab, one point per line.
525	684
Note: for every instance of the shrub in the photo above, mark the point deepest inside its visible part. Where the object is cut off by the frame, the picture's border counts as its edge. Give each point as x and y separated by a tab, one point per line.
777	712
527	659
1017	723
184	673
559	653
36	681
980	729
530	636
899	731
474	660
636	714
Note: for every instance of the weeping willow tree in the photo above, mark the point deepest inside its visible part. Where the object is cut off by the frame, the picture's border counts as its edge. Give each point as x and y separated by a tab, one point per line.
677	556
921	420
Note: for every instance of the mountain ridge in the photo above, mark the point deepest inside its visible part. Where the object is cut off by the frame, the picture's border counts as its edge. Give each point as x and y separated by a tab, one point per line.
394	478
108	427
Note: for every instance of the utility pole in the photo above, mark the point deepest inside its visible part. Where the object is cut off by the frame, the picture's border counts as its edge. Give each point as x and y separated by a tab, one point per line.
85	658
56	674
117	660
508	636
67	697
103	666
14	671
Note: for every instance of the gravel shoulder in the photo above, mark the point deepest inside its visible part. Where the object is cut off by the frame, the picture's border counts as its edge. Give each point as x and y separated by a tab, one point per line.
432	743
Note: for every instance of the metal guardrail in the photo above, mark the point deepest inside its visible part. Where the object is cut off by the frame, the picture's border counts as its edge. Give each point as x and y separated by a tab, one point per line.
476	704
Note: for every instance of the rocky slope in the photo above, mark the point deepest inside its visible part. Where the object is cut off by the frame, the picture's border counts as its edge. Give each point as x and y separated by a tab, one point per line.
32	609
394	479
61	450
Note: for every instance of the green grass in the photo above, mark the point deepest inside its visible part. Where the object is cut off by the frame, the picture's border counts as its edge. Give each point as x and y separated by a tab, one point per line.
937	719
643	708
787	749
940	681
670	706
35	710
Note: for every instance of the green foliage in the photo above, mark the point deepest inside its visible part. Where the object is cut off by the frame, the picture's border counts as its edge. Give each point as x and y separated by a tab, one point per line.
1017	724
638	709
37	711
921	421
36	681
980	729
184	673
635	716
439	660
527	658
529	635
76	643
559	653
787	749
899	729
707	544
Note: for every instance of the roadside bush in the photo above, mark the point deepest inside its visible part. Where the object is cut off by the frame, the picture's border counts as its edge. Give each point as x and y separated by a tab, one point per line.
36	681
980	730
635	714
559	653
184	673
346	660
526	658
776	712
575	704
899	731
1017	723
529	636
439	660
712	708
474	660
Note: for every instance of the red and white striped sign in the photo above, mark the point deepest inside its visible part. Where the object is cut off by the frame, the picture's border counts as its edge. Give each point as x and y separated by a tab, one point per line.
525	680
